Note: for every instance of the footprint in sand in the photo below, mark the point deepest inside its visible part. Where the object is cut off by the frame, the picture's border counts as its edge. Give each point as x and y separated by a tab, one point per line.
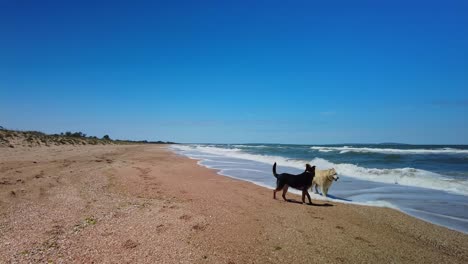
129	244
166	207
143	172
364	240
106	234
185	217
40	175
5	182
340	259
199	227
161	228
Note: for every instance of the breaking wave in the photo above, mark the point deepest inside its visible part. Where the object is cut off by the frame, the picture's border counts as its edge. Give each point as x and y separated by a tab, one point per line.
402	176
347	149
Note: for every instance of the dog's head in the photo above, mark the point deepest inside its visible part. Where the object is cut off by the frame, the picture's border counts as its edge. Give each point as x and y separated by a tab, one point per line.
310	169
332	175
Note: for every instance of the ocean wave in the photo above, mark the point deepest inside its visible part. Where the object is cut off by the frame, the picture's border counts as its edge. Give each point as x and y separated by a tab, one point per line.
347	149
249	146
237	153
402	176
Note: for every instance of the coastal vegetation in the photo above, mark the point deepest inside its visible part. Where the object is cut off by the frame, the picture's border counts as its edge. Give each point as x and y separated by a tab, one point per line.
14	138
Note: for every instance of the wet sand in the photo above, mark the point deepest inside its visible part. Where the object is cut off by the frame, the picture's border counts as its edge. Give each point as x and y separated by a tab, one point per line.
145	204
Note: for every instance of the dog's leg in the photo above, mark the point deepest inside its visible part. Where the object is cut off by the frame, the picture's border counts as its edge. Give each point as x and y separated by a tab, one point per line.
316	188
276	190
303	195
308	196
285	190
279	187
325	191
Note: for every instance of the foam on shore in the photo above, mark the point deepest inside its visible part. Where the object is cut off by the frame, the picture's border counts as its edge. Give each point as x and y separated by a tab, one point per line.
347	149
402	176
357	185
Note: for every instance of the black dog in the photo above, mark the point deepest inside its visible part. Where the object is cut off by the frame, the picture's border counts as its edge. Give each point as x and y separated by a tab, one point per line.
301	182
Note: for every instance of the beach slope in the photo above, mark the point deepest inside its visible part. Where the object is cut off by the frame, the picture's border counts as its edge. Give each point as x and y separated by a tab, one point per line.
145	204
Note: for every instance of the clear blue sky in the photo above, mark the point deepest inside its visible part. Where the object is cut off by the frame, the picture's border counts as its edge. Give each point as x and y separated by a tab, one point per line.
237	71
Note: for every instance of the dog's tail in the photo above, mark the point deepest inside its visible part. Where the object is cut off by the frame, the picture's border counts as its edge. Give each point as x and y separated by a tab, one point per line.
274	171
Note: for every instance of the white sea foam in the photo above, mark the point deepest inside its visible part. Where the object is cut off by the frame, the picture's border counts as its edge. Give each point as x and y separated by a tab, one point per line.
249	146
224	161
347	149
237	153
402	176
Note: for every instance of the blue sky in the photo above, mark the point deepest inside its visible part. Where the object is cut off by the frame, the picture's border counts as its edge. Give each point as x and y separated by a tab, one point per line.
248	71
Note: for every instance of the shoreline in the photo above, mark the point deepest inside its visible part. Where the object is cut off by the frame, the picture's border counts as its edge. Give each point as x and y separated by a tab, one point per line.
352	191
146	203
322	199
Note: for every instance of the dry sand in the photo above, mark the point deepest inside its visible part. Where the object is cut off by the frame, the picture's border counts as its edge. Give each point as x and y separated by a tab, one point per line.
144	204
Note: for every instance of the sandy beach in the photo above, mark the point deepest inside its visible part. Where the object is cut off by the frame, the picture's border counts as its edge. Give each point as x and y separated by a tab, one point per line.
145	204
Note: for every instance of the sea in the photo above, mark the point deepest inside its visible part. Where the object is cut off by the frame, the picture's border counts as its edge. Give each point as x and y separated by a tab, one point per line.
429	182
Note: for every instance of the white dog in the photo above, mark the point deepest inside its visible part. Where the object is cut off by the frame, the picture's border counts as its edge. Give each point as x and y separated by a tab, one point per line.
324	179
